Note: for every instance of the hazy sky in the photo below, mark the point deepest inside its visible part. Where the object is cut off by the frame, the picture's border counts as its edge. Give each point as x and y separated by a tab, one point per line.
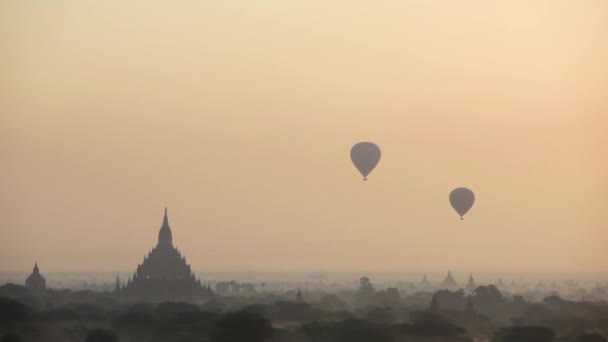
239	115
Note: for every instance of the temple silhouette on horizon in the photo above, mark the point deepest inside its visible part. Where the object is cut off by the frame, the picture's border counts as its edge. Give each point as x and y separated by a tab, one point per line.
449	282
164	273
35	281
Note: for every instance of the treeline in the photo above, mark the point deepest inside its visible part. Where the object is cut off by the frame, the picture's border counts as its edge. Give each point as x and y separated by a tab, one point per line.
373	316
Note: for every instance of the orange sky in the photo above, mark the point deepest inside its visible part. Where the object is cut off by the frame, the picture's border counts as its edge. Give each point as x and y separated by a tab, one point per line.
239	115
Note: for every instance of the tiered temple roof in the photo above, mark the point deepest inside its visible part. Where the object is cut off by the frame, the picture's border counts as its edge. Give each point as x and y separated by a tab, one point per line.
164	273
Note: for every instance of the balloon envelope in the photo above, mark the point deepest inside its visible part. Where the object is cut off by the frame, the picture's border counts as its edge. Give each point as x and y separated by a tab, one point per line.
365	156
462	200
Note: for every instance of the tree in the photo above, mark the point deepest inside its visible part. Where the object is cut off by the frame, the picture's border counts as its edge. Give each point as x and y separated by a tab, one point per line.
469	309
381	315
366	287
242	326
284	310
167	310
488	293
434	307
135	324
358	330
10	337
365	292
427	324
12	312
524	334
101	335
451	300
332	302
390	297
592	337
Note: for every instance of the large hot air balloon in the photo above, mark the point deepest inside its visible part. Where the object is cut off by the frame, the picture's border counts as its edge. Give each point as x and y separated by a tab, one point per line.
462	200
365	156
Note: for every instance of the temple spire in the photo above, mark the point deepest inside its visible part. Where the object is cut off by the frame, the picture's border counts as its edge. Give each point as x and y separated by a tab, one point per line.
165	238
165	219
449	281
471	284
36	267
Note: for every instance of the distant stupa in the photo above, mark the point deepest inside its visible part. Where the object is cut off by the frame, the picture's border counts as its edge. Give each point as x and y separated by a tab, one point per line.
449	282
164	273
470	284
35	281
424	283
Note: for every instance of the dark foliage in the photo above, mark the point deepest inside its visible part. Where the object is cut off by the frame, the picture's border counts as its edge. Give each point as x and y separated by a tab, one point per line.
592	337
524	334
10	337
242	326
426	324
101	335
13	311
358	330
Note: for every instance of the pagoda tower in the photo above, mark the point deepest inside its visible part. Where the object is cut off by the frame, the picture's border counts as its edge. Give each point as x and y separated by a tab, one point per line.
35	281
449	282
470	284
164	273
424	283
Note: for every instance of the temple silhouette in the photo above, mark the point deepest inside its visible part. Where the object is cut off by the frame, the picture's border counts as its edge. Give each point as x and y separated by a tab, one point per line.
471	286
164	273
35	281
449	282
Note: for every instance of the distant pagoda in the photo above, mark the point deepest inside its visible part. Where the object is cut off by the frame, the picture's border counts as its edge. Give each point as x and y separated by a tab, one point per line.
164	273
449	282
35	281
471	284
424	283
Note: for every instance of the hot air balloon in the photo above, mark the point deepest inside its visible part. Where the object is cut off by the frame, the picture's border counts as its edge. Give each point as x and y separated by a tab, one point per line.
365	156
462	200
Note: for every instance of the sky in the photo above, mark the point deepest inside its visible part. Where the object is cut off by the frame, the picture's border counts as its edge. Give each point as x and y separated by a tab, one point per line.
239	117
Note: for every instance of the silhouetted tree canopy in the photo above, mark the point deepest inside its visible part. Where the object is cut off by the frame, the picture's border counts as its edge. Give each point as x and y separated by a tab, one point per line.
524	334
488	293
101	335
453	300
350	330
553	300
381	315
592	337
12	311
365	292
242	326
332	302
358	330
431	325
167	309
366	287
10	337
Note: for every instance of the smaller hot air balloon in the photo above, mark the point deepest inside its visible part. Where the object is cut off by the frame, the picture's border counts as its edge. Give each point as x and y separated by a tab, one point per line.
462	200
365	156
